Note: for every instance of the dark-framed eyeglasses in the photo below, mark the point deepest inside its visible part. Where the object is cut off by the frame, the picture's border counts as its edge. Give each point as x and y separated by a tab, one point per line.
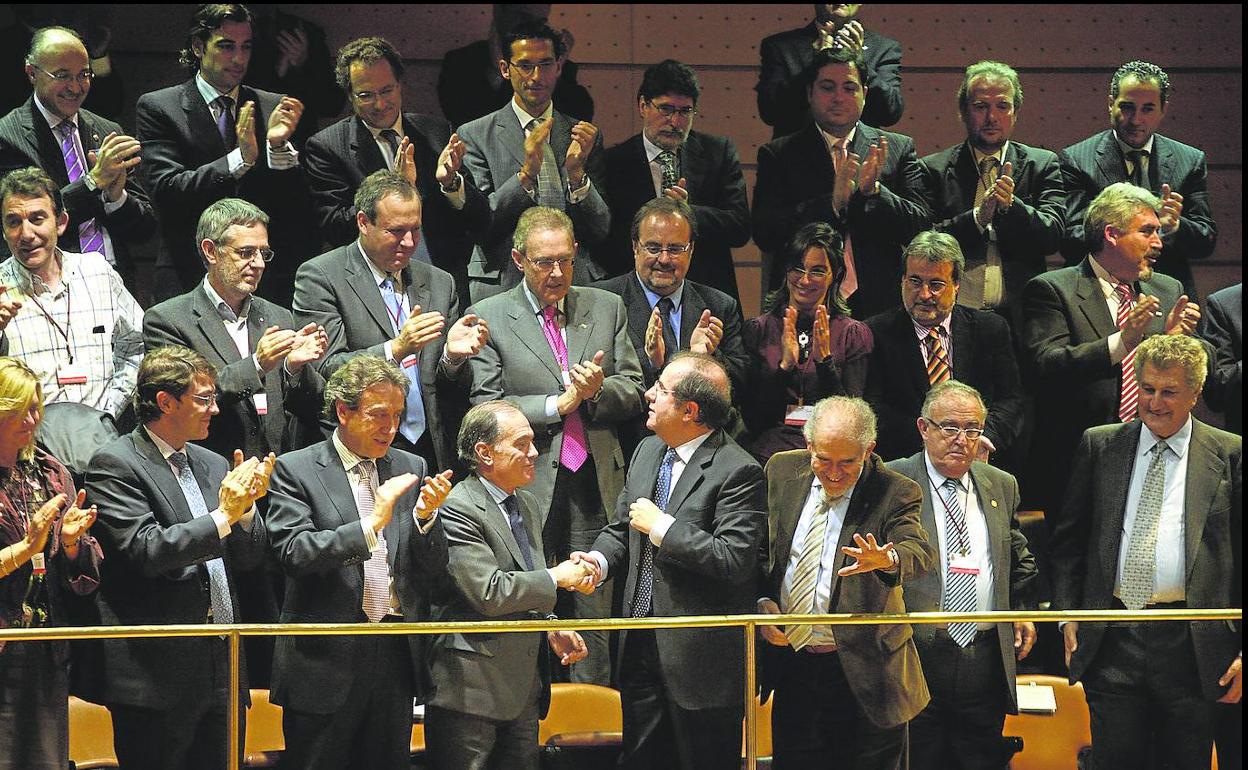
670	111
953	431
249	253
528	68
672	249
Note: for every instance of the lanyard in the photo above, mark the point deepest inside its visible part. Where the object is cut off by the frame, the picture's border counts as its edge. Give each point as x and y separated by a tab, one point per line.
68	315
395	314
962	529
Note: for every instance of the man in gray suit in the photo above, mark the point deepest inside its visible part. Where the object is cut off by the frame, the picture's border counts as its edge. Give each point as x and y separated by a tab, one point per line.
969	514
495	687
1154	519
527	154
563	355
371	297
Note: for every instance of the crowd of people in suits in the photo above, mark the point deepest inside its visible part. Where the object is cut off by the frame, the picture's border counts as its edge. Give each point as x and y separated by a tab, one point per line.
402	370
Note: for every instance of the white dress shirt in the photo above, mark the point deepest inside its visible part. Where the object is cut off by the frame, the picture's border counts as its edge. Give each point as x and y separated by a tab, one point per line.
280	159
977	534
820	635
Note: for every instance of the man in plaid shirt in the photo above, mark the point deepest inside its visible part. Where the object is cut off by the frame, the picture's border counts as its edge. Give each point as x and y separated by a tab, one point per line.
66	315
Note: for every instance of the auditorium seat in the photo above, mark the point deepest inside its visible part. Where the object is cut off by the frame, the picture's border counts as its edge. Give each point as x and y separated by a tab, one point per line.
1051	741
582	715
264	742
90	735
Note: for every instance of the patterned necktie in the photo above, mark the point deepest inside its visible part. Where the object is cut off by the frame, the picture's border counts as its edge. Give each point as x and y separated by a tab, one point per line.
391	138
1136	587
549	187
413	426
518	530
937	359
806	574
667	162
960	594
90	236
982	281
218	582
849	284
1139	177
376	569
1129	398
643	598
575	447
670	343
225	122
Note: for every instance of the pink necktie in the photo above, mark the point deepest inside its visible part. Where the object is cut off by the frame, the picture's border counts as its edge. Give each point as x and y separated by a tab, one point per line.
849	284
575	449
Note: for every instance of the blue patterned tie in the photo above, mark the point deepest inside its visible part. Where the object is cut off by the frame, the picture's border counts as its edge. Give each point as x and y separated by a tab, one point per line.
413	426
960	595
645	577
218	583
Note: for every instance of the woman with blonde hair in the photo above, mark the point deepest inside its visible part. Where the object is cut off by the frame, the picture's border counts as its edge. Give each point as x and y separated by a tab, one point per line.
44	551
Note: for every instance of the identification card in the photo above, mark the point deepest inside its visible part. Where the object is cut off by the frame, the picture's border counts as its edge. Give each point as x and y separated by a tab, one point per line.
963	565
71	374
409	362
261	401
798	414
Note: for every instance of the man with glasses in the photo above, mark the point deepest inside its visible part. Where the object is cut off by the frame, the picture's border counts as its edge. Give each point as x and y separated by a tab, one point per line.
969	515
528	154
372	297
931	339
90	158
668	158
563	355
380	135
178	526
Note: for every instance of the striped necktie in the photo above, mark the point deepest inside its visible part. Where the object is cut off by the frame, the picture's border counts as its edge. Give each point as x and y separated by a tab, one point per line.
806	574
1129	398
960	595
937	359
376	569
90	236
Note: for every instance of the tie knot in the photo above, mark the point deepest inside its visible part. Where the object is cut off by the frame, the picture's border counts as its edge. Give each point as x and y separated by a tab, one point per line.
226	312
179	461
225	103
389	134
952	486
669	457
933	335
1135	156
511	506
1159	449
549	313
987	165
665	305
1124	292
667	158
364	469
65	129
534	123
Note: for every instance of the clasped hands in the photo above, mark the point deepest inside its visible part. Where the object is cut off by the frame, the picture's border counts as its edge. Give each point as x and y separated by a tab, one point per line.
294	348
1182	318
586	378
858	175
247	482
74	524
790	351
582	145
705	338
282	124
999	198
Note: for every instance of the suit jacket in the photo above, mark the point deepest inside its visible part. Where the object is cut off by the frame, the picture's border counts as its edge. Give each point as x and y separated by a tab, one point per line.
1089	536
517	364
495	154
336	290
794	187
881	663
1014	567
1097	162
337	160
983	357
1026	232
782	101
491	675
317	538
191	321
703	567
185	167
154	573
1074	383
716	186
26	140
1222	326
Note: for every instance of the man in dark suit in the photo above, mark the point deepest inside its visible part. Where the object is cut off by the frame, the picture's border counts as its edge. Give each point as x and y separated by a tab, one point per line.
1222	326
176	525
1083	323
1001	199
495	687
785	57
1132	151
929	340
358	544
865	182
669	158
968	513
371	297
1154	519
843	694
90	158
527	154
263	361
379	135
210	138
562	354
687	542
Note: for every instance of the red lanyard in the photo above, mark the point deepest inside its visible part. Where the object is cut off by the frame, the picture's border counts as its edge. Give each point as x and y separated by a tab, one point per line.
68	315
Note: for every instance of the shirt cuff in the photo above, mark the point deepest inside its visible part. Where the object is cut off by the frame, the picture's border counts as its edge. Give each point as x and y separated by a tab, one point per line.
660	528
237	165
1117	348
283	158
423	526
452	367
370	537
602	564
248	519
580	193
222	521
385	348
111	206
551	573
552	407
459	198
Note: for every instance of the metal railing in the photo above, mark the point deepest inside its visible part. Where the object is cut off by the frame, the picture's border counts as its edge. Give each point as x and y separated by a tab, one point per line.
233	634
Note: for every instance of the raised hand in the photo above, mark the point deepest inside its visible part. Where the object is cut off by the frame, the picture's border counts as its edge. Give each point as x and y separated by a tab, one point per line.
292	47
273	347
433	493
872	166
418	330
821	350
466	337
387	495
1183	317
245	130
1171	210
405	161
9	305
450	160
870	556
41	523
680	191
846	182
588	376
310	345
707	334
533	150
583	137
790	352
235	496
283	121
655	347
112	162
1138	319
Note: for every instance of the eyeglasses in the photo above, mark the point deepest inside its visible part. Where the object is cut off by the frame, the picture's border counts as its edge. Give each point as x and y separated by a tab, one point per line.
204	400
82	78
547	265
815	273
668	111
916	284
369	97
528	68
672	249
953	431
662	389
249	253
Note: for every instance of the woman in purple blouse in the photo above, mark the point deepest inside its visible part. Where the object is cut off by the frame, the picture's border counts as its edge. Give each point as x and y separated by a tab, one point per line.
804	346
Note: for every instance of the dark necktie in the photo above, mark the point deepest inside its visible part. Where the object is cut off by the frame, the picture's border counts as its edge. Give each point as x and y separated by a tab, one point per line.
518	529
667	162
391	138
1139	175
225	122
670	344
644	598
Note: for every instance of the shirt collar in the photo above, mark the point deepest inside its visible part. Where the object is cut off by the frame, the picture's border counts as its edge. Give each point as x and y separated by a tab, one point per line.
945	326
1126	148
525	117
376	132
1106	280
979	156
497	494
652	149
209	91
964	482
349	459
164	447
378	275
217	301
685	451
817	488
1178	443
653	298
54	120
69	271
831	141
537	306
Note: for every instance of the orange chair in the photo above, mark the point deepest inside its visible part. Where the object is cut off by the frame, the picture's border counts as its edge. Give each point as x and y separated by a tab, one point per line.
1051	741
90	735
582	715
264	742
762	732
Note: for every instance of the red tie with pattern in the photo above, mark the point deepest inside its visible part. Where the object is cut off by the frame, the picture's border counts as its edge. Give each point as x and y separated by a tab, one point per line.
1130	398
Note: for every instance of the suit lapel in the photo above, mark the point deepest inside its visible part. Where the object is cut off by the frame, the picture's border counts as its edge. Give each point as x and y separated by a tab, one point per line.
1210	467
367	154
1092	301
161	475
210	325
398	530
908	348
962	175
201	128
333	478
495	519
694	471
560	140
792	499
528	329
1110	161
962	332
510	132
43	144
360	279
990	497
1120	450
854	517
691	307
693	165
638	308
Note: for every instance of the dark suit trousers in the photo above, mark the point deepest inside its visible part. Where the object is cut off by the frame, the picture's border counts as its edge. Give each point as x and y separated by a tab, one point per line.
458	741
961	727
816	721
372	730
658	733
191	735
1143	690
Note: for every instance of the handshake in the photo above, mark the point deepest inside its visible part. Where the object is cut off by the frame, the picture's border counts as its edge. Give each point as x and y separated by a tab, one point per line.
577	573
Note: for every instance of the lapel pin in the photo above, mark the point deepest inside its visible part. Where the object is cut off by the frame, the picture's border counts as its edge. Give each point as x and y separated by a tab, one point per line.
994	503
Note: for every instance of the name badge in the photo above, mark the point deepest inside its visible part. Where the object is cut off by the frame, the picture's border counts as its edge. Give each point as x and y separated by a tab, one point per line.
963	565
409	362
261	400
71	374
795	414
567	379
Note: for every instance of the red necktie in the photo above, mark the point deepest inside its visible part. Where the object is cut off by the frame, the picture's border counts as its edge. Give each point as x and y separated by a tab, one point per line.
1130	392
